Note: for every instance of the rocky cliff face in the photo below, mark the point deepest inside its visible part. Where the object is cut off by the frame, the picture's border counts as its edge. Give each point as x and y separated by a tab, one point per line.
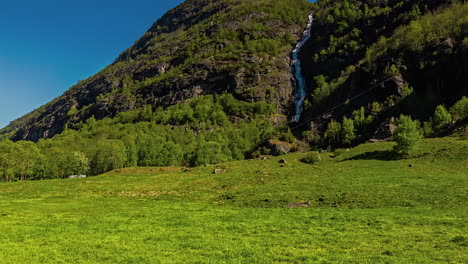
200	47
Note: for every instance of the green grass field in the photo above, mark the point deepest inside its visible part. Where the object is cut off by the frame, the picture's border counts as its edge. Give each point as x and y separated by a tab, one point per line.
364	209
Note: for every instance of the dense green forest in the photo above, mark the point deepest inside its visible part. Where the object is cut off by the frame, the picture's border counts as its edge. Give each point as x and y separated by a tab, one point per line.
201	131
206	130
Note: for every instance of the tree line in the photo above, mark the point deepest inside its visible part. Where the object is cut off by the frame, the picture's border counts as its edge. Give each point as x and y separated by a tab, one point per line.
204	130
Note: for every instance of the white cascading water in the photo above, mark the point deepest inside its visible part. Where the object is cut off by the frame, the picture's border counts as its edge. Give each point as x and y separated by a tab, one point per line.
299	79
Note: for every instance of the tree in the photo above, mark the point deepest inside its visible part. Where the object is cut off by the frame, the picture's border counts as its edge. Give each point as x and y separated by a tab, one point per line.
132	151
333	133
209	152
427	129
108	155
359	117
7	160
80	163
442	118
26	154
61	162
146	113
312	136
407	135
347	132
459	110
376	108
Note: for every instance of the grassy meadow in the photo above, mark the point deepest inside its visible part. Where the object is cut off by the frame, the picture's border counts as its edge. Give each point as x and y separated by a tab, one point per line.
364	208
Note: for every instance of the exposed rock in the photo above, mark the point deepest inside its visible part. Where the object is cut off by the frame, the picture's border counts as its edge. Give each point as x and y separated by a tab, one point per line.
219	171
395	84
445	44
385	130
278	147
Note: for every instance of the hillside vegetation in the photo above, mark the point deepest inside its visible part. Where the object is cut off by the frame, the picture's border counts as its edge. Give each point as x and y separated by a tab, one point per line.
201	47
182	139
204	130
383	59
363	209
139	110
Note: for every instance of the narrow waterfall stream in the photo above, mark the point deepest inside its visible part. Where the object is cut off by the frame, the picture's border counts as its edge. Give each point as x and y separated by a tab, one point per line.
299	81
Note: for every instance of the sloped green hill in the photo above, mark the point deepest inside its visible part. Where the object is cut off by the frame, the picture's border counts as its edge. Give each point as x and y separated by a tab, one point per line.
363	209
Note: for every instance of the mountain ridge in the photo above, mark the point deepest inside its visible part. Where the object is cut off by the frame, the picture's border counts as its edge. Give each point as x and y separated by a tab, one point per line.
200	47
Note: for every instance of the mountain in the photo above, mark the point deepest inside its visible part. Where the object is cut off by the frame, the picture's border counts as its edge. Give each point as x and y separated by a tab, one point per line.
200	47
390	57
368	61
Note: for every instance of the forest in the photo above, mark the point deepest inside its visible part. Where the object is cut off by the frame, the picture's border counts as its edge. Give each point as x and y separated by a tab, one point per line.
205	130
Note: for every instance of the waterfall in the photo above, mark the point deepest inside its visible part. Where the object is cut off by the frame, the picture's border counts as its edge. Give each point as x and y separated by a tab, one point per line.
300	84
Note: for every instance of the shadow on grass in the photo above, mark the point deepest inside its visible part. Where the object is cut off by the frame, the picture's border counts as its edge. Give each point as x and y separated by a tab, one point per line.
377	155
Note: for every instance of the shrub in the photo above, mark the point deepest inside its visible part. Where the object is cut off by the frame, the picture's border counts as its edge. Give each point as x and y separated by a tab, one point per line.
312	158
339	152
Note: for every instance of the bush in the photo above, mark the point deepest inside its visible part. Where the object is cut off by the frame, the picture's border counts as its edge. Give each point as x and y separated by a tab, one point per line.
339	152
312	158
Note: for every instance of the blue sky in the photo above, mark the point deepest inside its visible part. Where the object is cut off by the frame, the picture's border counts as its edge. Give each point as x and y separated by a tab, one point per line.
47	46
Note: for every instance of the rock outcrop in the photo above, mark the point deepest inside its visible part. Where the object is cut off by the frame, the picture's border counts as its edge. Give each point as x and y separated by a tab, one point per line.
278	147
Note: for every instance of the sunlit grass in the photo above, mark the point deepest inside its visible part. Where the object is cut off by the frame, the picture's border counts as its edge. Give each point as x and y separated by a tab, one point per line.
364	209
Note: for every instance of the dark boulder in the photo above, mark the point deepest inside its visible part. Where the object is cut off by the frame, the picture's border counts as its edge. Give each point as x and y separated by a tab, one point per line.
278	147
385	130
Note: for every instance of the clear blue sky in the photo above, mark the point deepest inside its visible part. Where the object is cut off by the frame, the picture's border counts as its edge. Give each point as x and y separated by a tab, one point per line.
47	46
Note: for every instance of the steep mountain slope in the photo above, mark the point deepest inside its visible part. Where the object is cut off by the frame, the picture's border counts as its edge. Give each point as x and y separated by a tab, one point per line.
366	60
390	57
200	47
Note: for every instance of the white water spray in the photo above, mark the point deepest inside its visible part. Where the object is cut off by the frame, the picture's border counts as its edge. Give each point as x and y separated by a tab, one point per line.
297	69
